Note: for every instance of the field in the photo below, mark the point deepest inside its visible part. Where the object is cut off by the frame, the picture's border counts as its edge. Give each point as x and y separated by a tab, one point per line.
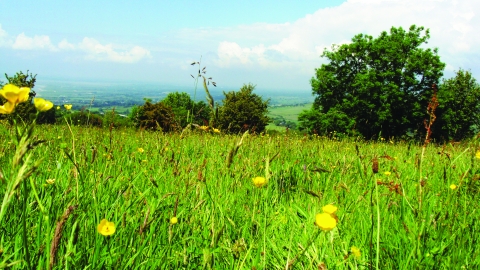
287	112
187	201
104	96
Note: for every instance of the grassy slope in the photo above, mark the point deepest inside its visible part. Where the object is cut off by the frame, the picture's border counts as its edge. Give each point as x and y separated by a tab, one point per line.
227	223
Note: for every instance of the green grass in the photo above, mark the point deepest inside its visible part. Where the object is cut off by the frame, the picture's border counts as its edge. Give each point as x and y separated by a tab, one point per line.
224	222
289	112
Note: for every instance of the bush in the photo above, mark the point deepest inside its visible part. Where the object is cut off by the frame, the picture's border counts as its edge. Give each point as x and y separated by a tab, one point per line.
184	108
243	111
154	117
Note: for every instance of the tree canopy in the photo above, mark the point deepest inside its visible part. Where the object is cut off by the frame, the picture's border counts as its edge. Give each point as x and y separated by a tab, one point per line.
458	113
375	85
185	110
243	110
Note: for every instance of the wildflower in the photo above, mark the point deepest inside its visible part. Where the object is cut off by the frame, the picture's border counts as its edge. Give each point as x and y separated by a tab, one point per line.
204	128
329	209
42	105
106	228
325	221
174	220
259	181
355	251
68	107
7	108
140	150
50	181
477	155
15	94
453	187
216	130
387	173
58	107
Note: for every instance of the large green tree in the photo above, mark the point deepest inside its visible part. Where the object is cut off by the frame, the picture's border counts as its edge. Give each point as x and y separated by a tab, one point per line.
458	112
243	110
376	85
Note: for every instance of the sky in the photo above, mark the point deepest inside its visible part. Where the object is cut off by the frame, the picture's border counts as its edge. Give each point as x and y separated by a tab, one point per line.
274	44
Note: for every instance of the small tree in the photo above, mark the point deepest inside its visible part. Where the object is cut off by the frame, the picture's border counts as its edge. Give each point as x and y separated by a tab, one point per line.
185	109
154	116
243	110
458	113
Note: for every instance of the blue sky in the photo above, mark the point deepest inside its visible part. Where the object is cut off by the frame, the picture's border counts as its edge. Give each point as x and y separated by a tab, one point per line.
273	44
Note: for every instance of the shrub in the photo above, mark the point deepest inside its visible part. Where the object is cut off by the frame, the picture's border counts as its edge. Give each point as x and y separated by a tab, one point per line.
185	110
154	117
243	110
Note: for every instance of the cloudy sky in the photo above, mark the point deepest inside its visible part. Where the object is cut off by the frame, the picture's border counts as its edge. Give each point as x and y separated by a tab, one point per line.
274	44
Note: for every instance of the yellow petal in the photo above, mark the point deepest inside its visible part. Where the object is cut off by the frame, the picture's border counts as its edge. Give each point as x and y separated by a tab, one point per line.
329	209
14	94
259	181
356	252
325	221
42	104
7	108
106	228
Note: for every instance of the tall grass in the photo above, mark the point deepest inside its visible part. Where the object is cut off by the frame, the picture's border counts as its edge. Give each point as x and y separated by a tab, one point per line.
140	180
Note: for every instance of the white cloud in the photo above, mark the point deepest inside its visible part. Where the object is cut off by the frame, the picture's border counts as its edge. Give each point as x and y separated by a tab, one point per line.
23	42
298	45
3	36
93	49
98	52
65	45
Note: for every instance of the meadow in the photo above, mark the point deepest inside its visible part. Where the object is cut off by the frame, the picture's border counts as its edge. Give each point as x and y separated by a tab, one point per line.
187	201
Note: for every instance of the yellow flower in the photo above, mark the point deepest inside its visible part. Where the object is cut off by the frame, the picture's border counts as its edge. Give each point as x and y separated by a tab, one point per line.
325	221
106	228
329	209
259	181
453	187
174	220
387	173
68	107
140	150
42	104
356	252
58	107
477	155
7	108
204	128
50	181
216	130
15	94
